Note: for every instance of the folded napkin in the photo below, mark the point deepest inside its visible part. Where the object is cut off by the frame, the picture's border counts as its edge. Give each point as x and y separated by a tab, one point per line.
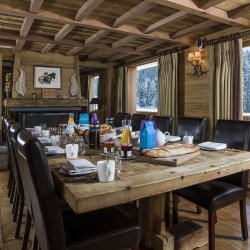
54	150
212	145
79	167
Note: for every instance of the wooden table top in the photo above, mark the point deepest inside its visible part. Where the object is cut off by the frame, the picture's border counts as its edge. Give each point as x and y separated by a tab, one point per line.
141	179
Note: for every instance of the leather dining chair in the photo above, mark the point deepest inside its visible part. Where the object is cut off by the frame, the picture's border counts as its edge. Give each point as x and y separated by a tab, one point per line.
108	228
136	121
6	123
219	193
117	122
163	123
192	126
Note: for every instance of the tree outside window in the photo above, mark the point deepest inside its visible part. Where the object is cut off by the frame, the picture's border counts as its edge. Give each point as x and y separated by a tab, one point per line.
147	87
246	80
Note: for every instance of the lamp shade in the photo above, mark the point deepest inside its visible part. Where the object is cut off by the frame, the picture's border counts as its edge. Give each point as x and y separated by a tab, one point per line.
197	55
190	56
96	100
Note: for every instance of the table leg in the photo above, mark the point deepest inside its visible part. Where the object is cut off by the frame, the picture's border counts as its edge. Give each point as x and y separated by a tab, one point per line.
152	222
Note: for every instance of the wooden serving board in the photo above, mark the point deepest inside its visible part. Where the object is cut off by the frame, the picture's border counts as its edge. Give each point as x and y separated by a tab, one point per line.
172	160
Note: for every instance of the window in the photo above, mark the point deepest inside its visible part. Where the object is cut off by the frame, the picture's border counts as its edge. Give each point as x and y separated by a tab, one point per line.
246	81
147	87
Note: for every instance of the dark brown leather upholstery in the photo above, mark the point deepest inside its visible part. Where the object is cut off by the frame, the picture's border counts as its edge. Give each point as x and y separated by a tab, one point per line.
136	121
222	192
193	126
164	123
119	117
105	229
17	188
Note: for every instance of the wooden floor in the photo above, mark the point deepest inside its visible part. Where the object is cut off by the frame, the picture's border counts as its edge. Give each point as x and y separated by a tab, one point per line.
228	232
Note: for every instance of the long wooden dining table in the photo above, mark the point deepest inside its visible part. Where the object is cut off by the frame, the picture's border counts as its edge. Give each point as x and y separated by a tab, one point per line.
148	183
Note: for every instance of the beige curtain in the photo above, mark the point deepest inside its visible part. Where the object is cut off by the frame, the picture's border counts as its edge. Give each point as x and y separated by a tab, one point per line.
226	81
119	87
167	80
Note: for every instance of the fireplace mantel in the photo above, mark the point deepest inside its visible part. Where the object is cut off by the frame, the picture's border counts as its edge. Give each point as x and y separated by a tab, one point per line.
32	103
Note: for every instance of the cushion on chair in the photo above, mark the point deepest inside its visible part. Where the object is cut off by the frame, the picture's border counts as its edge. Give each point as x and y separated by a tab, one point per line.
114	232
213	195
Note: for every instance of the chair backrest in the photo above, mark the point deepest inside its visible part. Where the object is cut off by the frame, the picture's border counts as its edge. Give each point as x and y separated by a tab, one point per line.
39	185
7	122
136	121
164	123
117	122
236	135
14	129
193	126
232	132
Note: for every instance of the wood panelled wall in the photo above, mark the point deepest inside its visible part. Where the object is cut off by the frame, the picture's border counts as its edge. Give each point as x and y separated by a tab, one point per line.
27	60
196	89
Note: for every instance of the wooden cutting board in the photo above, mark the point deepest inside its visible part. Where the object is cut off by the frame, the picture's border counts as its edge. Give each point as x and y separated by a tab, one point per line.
172	160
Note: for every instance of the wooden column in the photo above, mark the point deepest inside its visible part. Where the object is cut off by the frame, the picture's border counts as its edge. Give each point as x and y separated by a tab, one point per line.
16	73
77	71
152	222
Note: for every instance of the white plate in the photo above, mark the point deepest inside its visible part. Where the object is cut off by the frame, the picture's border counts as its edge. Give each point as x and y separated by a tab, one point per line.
174	138
212	149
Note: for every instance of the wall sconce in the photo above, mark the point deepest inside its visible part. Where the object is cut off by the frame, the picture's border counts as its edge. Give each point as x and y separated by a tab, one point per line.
197	58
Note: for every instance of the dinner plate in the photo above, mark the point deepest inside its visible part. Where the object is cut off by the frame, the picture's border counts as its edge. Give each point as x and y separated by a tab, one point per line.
54	150
174	138
212	149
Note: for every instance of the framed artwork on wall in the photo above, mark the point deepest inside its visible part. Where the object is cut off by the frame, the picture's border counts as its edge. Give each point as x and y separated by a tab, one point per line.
47	77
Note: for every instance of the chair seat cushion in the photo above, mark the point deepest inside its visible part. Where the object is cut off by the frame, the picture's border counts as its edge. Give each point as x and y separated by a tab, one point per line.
109	228
212	195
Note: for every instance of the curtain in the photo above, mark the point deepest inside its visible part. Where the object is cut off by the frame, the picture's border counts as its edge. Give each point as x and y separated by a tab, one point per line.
226	86
167	91
119	86
102	95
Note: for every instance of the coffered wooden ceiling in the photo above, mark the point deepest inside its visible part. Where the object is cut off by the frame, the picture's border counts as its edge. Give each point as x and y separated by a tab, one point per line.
115	30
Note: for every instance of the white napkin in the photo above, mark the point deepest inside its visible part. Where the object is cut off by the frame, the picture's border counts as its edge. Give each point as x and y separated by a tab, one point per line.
54	150
81	164
212	145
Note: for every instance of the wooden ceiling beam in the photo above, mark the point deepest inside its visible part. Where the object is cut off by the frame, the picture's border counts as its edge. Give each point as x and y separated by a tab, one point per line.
97	36
28	21
205	4
239	11
19	45
134	12
116	57
49	16
73	51
87	8
64	31
200	26
211	13
69	42
35	5
123	41
96	54
47	48
167	21
26	26
148	45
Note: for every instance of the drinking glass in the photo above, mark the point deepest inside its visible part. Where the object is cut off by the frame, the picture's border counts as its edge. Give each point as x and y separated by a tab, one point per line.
81	145
127	123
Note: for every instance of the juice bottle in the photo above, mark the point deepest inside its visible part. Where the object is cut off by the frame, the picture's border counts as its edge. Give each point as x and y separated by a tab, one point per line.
126	136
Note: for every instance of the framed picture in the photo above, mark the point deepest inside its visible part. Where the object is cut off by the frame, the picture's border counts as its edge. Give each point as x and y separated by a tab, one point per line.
47	77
